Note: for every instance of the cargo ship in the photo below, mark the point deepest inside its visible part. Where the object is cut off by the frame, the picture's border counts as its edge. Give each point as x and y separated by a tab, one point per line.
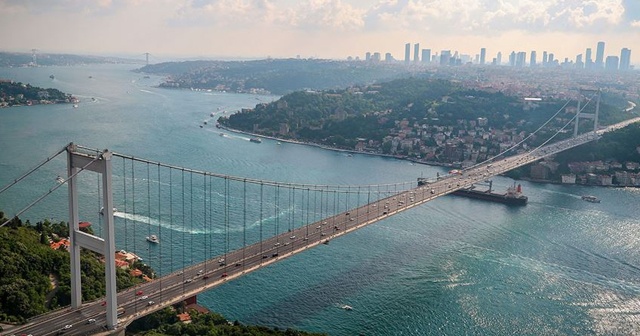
513	196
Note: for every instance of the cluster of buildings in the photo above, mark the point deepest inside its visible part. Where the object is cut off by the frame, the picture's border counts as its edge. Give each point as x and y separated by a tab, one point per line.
601	173
124	260
518	59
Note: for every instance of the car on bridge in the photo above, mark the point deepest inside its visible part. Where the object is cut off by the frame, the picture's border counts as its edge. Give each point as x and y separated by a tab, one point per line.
138	293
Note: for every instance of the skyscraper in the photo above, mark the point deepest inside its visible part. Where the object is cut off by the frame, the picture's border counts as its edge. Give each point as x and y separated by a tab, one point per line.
545	58
499	58
532	60
579	63
611	64
445	57
388	57
367	56
521	59
407	53
625	59
426	55
512	59
416	52
600	54
483	55
588	61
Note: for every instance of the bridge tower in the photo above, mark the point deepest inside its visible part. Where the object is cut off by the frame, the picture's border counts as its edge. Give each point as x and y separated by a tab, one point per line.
99	163
592	93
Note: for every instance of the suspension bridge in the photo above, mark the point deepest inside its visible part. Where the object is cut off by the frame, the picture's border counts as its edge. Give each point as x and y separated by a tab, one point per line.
205	229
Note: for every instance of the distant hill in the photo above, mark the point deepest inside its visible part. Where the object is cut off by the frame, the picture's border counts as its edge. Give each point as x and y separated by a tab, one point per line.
277	76
8	59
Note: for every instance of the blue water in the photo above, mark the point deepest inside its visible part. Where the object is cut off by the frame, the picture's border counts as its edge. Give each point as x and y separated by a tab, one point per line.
559	266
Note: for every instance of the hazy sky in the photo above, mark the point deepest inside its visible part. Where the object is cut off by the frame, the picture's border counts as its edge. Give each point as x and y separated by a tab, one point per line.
317	28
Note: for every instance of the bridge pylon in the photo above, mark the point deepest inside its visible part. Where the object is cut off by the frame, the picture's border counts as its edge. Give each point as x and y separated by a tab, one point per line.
99	163
582	94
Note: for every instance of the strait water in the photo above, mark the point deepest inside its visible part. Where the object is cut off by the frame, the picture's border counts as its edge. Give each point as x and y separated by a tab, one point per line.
558	266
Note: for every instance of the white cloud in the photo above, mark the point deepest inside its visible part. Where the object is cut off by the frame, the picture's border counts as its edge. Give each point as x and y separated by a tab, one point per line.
635	24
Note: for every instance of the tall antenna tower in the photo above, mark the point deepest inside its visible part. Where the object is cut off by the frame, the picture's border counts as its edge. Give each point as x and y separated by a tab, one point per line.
34	57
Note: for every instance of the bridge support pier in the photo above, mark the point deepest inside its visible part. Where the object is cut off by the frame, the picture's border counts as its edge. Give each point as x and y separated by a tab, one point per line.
99	163
594	116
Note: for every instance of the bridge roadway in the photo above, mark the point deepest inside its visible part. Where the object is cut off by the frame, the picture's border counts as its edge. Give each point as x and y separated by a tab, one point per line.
182	284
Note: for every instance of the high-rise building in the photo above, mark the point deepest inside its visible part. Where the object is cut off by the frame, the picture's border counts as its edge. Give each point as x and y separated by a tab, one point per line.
416	52
367	56
588	61
499	58
579	63
532	59
551	60
600	54
426	55
625	59
388	57
611	64
376	57
445	57
521	58
407	53
545	58
483	55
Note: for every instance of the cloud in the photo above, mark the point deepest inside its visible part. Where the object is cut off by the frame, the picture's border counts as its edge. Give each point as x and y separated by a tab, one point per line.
490	16
635	24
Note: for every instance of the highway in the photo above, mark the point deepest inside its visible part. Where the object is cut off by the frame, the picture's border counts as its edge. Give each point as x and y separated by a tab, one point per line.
177	286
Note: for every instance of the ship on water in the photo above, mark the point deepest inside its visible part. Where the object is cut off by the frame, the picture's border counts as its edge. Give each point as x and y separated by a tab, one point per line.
513	195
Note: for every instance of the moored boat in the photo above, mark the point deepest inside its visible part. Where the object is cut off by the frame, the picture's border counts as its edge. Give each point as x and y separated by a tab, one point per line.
256	140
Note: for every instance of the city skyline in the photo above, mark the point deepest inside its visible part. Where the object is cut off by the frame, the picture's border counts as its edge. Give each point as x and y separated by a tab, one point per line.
332	29
517	58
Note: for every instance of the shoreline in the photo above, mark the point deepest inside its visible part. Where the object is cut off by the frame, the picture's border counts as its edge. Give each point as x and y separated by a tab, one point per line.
433	164
350	151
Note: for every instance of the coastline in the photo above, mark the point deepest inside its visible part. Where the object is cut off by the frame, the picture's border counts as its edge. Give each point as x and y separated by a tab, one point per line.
434	164
349	151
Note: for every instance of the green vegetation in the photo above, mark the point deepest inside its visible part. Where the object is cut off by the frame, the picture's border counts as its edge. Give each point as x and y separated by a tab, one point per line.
278	76
165	322
24	94
35	278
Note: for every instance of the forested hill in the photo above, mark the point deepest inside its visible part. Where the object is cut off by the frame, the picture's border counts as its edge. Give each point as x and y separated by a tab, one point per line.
407	117
277	76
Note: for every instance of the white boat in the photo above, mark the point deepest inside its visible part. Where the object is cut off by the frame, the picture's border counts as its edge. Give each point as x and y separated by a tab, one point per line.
102	210
346	307
590	198
153	239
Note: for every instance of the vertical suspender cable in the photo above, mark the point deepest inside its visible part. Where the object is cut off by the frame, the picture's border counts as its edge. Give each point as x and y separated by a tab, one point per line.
160	234
244	220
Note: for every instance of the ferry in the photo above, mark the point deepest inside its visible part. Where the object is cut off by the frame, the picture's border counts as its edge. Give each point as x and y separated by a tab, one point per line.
591	198
256	140
153	239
